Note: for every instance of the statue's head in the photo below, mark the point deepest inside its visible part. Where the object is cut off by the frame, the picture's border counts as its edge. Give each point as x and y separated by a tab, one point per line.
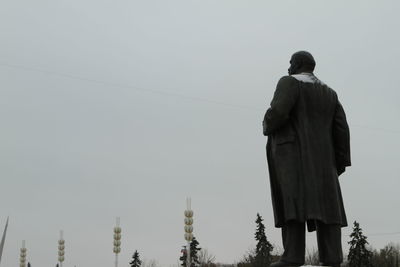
301	61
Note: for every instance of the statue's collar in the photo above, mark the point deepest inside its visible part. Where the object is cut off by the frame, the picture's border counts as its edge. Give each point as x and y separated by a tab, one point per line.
306	77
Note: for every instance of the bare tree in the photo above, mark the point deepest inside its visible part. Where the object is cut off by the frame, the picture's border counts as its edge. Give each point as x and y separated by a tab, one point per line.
150	263
389	256
312	257
206	258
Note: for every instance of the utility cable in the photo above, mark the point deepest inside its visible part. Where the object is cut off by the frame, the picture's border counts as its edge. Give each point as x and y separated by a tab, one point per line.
166	93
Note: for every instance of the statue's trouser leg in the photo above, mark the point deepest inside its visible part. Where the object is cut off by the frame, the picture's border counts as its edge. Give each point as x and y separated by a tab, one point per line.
294	242
329	237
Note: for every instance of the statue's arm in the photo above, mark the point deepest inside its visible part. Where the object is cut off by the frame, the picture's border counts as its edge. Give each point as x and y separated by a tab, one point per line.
341	139
284	99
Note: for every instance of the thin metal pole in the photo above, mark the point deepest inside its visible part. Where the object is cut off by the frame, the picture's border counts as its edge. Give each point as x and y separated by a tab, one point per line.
188	263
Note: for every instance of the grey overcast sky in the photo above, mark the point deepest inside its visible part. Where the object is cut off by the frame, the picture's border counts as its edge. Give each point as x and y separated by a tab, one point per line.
124	108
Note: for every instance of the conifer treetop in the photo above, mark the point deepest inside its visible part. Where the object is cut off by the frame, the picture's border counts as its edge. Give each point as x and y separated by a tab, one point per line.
359	255
136	262
264	248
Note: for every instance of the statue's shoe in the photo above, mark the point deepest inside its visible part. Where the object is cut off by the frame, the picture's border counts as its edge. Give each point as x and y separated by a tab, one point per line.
284	264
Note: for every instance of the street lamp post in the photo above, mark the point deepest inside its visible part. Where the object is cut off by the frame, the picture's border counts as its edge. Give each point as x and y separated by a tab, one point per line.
61	248
188	229
22	255
117	240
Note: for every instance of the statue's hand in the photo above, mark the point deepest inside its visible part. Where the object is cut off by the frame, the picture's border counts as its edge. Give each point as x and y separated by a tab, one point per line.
341	170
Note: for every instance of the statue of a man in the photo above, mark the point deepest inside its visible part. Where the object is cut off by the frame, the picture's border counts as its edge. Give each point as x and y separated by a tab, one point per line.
308	148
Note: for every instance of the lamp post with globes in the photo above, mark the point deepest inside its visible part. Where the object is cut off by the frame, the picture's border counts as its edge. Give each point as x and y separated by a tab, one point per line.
117	240
188	229
61	248
22	255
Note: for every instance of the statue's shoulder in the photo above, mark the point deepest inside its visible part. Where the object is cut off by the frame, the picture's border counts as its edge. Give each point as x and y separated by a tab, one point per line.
307	77
287	81
287	78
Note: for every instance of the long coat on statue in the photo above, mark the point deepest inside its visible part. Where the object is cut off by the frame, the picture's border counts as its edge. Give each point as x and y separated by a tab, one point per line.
308	148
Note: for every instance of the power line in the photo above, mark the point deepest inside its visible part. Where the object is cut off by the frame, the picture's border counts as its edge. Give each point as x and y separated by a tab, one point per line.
376	128
381	234
106	83
162	92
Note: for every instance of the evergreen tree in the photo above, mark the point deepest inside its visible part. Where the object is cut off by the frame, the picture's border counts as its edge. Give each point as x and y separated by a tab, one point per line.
359	255
183	258
194	249
136	262
263	257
